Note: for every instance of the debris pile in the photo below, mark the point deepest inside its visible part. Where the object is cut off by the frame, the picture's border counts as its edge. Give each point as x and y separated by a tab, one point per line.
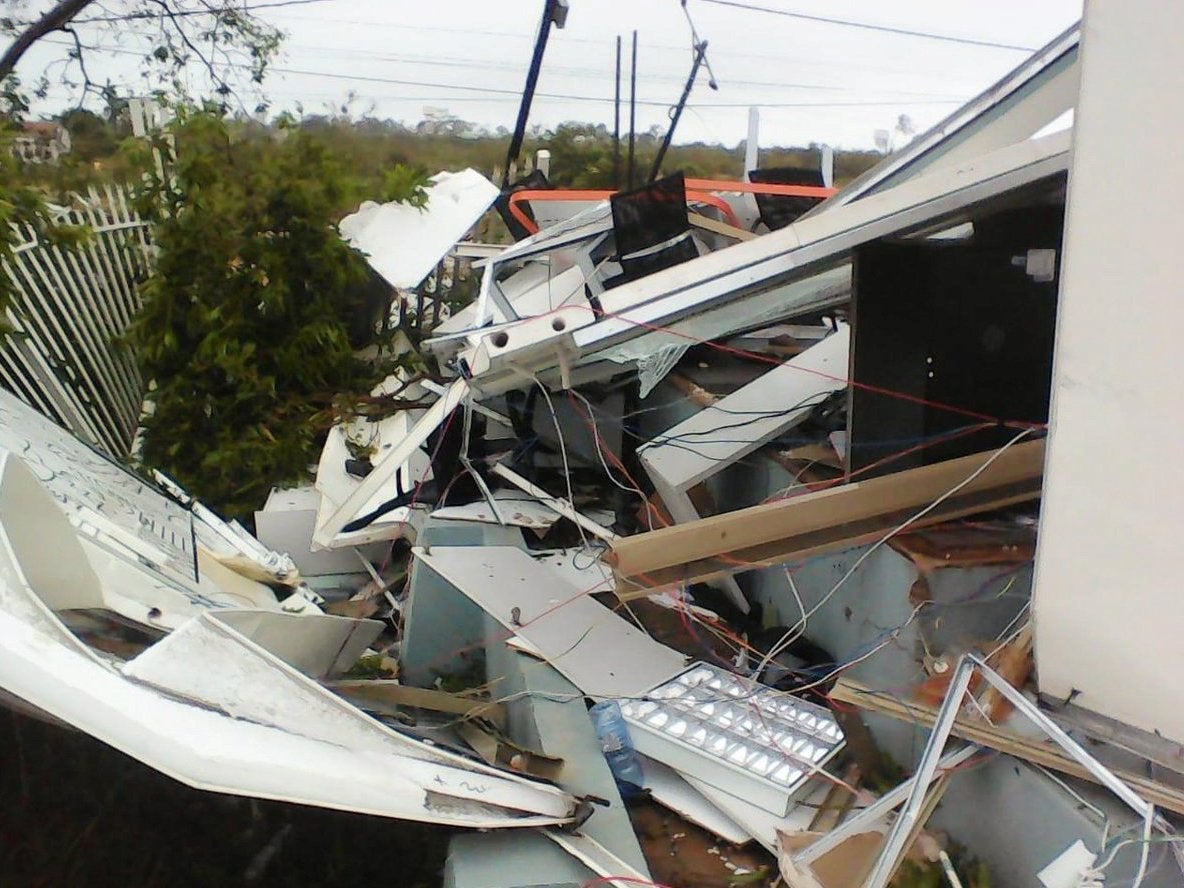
762	488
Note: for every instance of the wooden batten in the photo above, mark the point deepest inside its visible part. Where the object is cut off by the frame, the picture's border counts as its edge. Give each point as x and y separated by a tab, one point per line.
1038	752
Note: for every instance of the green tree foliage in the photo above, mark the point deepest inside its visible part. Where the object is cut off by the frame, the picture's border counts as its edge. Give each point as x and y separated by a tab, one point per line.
245	325
581	156
91	137
23	211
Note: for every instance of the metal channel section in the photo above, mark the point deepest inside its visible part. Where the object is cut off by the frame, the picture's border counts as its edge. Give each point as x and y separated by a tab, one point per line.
1008	111
897	838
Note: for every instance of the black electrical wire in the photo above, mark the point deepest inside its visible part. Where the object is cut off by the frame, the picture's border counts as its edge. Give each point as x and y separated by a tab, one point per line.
868	26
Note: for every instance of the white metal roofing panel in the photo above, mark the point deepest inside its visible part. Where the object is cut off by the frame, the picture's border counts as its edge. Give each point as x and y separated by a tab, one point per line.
600	653
1017	106
709	441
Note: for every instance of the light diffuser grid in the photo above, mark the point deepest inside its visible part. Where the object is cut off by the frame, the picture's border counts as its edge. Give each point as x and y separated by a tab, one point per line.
771	736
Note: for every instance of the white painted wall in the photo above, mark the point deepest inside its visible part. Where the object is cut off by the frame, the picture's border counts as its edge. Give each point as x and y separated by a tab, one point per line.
1109	596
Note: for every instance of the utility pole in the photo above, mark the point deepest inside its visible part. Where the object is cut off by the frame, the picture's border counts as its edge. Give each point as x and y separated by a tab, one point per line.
617	122
632	109
554	12
700	55
699	48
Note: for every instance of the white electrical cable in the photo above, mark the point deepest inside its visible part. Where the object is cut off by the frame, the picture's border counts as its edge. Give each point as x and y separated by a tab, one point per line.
1085	803
797	597
796	631
1008	635
604	464
563	454
1146	853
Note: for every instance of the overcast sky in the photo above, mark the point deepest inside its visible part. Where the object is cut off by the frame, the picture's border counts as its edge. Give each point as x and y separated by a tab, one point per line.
814	81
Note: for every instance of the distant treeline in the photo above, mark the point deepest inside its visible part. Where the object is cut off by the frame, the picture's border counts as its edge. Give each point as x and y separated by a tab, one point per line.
582	154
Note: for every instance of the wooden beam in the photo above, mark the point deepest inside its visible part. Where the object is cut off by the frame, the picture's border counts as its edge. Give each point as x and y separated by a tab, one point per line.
717	227
1035	751
772	533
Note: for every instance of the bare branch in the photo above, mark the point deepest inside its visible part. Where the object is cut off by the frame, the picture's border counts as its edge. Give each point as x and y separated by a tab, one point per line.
221	38
211	9
88	85
54	20
222	88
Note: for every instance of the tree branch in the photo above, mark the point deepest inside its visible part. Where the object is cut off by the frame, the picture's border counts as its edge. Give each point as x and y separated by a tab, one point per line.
54	20
88	85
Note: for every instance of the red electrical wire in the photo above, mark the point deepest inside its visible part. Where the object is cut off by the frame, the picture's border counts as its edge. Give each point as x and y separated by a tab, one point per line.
633	880
766	359
904	396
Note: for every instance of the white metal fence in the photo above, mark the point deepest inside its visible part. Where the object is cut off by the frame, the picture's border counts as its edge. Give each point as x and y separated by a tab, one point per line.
69	310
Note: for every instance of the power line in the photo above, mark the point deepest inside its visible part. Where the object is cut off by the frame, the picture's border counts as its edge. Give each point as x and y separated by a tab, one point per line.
514	35
349	53
489	90
845	65
495	91
894	103
867	26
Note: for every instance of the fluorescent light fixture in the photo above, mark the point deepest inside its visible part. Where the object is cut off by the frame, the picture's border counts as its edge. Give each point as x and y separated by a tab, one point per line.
723	728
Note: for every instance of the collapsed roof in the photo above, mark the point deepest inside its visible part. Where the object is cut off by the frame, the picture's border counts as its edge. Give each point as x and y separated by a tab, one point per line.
727	480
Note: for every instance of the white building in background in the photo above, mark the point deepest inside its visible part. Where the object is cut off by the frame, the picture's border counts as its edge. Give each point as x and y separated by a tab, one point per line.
41	141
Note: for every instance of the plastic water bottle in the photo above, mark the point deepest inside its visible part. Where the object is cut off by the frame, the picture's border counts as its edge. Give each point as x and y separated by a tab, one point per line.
615	743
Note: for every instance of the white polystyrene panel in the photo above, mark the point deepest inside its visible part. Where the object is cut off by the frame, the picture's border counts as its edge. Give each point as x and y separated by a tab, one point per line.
211	750
404	243
232	717
390	463
667	787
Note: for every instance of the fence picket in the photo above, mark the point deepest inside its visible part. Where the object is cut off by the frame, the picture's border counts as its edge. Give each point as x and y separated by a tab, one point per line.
68	311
